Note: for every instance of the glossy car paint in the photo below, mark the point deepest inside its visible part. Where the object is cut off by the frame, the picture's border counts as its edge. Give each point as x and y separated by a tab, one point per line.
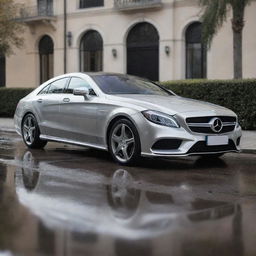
85	121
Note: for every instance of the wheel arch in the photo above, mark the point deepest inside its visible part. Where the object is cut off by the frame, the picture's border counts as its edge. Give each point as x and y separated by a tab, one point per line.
114	120
27	113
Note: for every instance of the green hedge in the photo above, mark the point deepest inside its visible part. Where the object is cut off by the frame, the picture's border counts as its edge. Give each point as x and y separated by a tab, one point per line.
237	95
9	97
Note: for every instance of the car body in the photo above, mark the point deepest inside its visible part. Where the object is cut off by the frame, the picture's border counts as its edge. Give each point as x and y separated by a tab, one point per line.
86	108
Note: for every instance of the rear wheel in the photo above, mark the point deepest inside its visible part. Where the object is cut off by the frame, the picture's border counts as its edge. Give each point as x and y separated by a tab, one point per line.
31	132
124	142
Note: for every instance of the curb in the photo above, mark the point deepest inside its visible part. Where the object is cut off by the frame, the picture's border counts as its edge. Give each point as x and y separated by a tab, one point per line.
10	130
248	151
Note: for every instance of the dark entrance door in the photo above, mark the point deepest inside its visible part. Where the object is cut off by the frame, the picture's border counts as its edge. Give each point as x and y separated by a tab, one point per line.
2	70
143	51
46	49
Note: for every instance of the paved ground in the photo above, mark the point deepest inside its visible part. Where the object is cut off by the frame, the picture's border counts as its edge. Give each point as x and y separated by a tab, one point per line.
66	200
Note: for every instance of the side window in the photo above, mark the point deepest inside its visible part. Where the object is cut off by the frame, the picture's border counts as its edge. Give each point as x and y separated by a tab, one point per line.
58	86
45	89
77	82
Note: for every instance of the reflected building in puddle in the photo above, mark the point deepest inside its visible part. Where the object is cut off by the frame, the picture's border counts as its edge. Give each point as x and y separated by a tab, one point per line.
48	209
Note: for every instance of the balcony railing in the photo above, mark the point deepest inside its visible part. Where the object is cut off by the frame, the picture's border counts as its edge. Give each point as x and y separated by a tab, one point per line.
34	13
136	4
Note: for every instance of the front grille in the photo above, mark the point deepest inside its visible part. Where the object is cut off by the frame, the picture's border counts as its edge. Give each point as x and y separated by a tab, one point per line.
207	119
167	144
208	130
203	125
201	147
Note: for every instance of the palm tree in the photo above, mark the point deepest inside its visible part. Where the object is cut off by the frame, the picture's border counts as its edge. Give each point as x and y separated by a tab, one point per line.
10	28
214	14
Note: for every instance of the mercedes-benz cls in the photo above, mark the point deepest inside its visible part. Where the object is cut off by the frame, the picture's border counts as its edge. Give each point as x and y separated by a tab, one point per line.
126	115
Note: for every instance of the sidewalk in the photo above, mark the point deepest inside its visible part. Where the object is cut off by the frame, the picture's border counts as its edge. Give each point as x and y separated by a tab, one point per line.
6	125
248	142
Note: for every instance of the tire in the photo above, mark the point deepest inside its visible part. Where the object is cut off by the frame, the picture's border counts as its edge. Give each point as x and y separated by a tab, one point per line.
124	142
31	132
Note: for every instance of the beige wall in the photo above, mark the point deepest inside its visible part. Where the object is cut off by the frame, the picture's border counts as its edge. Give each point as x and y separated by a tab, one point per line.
171	21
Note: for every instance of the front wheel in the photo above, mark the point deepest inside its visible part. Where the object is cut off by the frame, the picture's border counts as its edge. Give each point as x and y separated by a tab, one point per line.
124	142
31	132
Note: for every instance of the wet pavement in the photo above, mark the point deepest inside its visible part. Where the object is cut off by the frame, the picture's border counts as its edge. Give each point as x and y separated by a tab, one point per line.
66	200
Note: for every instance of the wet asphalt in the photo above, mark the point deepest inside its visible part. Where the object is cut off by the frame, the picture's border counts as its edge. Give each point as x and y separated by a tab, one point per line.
66	200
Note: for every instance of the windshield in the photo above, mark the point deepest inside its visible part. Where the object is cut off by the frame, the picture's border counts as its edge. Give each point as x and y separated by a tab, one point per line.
122	84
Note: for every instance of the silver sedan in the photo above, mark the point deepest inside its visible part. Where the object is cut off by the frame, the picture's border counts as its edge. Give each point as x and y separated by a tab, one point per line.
128	116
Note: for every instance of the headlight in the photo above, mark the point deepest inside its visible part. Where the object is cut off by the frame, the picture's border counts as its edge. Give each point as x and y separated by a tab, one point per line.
160	118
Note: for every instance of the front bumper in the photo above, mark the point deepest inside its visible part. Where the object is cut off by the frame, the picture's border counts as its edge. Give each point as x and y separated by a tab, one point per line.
191	143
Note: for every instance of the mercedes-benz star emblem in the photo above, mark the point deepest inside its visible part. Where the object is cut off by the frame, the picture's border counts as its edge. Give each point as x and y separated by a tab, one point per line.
216	124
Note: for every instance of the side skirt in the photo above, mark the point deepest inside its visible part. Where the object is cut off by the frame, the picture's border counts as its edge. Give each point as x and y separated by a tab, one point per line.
73	142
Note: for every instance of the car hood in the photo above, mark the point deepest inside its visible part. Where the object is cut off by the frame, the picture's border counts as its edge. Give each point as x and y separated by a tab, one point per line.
172	104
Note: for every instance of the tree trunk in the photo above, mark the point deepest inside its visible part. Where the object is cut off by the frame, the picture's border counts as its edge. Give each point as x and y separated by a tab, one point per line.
237	26
237	54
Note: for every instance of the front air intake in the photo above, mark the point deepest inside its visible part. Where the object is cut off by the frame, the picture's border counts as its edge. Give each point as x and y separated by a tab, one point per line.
167	144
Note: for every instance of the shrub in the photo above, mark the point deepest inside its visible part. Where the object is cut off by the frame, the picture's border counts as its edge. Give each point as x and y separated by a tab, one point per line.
9	97
237	95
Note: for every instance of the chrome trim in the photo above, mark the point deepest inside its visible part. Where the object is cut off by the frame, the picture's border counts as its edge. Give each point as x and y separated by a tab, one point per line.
229	124
57	139
170	154
199	125
209	125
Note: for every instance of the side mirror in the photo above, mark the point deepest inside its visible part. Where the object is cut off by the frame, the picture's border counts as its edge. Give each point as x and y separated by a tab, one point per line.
82	91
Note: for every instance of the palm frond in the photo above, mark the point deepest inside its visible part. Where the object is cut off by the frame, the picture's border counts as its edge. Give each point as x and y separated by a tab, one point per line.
214	15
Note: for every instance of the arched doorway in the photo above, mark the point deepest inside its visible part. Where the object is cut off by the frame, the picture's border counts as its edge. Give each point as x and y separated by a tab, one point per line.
91	52
143	51
46	48
195	52
2	70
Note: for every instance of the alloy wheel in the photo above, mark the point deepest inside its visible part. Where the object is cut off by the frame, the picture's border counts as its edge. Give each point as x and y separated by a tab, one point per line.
29	129
123	142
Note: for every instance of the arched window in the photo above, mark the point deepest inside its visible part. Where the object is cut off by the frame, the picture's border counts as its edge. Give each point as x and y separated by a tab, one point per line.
2	70
143	51
195	52
91	52
46	58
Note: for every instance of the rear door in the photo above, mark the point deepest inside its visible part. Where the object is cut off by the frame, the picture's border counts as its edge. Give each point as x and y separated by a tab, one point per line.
47	104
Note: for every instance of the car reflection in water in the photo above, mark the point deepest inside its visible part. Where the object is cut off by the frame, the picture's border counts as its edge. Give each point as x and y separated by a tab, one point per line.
86	207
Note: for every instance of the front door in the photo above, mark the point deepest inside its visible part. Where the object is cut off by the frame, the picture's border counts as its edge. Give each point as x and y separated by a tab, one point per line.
78	115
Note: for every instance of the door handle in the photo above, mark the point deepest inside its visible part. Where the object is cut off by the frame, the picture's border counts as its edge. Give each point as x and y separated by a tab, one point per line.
66	100
39	100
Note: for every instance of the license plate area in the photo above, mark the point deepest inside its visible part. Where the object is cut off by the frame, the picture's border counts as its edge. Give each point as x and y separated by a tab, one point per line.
216	140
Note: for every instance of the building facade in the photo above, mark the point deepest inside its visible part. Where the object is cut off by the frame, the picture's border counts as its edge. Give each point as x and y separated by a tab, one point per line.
158	39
